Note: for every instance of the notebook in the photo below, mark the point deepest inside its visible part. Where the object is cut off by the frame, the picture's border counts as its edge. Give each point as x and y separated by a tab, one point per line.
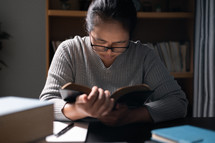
77	133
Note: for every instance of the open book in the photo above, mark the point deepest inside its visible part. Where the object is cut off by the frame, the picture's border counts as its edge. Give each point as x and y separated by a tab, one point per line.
132	96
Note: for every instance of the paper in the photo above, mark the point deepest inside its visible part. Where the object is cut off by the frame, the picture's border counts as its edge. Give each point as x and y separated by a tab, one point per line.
78	133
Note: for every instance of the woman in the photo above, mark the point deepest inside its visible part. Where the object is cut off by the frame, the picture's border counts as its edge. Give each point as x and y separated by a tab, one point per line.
107	59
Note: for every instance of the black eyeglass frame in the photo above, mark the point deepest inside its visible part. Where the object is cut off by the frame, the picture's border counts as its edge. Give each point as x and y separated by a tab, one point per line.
111	48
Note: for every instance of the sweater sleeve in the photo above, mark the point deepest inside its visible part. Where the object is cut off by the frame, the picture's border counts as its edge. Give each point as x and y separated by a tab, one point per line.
60	72
168	101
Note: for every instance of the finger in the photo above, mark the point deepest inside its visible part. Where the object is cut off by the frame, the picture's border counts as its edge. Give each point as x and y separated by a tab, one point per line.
112	102
109	107
101	98
107	92
93	95
98	106
82	98
108	104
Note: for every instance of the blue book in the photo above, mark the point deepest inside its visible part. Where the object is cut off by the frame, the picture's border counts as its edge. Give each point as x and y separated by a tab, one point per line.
183	134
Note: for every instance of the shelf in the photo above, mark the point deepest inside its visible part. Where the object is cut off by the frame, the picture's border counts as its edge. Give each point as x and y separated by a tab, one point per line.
182	75
166	15
69	13
73	13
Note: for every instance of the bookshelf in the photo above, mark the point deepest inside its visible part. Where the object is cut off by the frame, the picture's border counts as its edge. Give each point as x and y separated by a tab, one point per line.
174	23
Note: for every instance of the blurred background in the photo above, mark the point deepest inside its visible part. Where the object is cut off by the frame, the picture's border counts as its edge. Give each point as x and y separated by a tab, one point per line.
24	51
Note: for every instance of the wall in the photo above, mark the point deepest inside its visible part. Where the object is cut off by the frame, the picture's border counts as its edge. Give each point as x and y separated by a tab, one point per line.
24	52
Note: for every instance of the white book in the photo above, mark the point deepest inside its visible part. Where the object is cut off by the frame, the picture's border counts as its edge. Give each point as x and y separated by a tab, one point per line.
25	119
77	133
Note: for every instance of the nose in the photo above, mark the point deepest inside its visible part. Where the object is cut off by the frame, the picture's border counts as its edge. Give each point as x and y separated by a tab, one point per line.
109	51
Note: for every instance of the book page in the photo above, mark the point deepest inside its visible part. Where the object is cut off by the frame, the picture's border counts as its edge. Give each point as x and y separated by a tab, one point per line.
77	133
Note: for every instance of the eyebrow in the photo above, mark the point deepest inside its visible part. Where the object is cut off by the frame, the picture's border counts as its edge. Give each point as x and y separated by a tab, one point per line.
99	39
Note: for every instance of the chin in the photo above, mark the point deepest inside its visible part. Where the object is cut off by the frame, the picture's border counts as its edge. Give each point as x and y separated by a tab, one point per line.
108	57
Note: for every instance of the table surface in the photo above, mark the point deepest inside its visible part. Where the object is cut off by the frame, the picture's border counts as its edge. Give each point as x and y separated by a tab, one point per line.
139	132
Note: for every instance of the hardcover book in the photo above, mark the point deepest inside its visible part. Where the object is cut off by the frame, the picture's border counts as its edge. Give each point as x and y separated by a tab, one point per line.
25	119
133	96
183	134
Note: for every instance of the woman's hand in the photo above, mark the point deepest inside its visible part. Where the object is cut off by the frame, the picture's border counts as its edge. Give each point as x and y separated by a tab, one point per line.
117	117
97	103
122	116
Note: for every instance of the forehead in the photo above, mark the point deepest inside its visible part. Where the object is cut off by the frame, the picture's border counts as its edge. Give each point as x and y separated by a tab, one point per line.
110	31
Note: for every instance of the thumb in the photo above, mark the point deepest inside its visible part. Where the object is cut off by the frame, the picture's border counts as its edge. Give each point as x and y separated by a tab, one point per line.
82	98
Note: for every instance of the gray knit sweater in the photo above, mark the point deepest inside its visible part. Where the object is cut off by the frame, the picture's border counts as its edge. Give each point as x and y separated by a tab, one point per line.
75	61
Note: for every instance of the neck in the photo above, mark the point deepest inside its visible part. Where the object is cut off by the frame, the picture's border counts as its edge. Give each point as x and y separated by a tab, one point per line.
107	64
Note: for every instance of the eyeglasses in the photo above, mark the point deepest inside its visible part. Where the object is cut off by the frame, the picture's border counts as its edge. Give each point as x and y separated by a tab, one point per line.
100	48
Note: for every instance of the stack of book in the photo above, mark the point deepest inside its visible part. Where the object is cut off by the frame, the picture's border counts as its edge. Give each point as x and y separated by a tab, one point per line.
25	119
174	54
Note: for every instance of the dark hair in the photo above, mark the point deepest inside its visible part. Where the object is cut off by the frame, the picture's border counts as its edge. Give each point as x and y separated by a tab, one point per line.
122	11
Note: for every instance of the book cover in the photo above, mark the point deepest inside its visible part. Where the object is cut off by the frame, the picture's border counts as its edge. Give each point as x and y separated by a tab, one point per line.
183	134
25	119
133	96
